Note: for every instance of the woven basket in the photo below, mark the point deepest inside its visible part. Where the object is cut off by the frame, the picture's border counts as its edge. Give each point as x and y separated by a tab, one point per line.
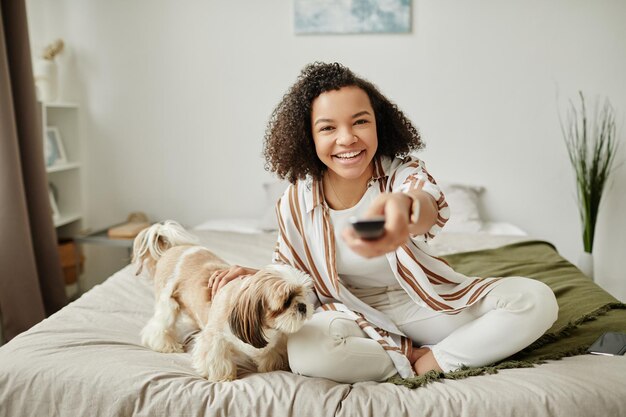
72	260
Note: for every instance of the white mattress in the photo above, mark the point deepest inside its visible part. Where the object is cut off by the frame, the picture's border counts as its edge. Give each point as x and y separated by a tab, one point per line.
256	226
87	360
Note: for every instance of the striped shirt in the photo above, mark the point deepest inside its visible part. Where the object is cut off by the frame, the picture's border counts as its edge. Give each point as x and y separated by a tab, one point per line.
306	240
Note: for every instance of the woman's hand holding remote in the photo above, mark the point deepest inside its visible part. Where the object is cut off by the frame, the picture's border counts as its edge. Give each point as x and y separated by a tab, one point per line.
395	207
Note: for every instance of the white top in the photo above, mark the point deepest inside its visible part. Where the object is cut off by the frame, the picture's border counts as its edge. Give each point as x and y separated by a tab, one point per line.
307	242
354	270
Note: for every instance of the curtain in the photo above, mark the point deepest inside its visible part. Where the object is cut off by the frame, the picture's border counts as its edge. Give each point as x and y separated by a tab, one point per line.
31	279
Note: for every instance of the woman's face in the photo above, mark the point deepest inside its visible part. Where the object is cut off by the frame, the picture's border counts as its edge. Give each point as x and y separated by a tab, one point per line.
344	131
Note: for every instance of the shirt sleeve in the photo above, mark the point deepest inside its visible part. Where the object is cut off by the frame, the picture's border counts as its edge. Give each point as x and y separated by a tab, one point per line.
282	254
412	175
284	250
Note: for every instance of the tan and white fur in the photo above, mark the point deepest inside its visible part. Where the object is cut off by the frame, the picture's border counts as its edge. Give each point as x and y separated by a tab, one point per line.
250	315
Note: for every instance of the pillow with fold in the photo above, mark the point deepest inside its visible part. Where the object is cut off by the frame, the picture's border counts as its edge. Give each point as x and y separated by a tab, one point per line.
273	191
463	200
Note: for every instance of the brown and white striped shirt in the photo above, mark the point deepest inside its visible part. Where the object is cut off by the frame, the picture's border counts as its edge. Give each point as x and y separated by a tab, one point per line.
306	241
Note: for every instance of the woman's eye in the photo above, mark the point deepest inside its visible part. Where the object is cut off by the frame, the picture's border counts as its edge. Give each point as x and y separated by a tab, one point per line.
326	128
361	121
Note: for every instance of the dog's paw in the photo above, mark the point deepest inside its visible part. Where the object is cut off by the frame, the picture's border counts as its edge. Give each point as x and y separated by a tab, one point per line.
172	346
217	374
221	377
214	368
161	342
274	361
262	368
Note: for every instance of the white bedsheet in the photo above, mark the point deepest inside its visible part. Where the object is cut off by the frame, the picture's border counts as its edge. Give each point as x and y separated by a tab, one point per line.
87	360
259	246
253	226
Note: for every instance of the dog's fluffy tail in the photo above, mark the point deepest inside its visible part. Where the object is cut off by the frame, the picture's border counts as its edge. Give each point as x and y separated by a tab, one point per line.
152	242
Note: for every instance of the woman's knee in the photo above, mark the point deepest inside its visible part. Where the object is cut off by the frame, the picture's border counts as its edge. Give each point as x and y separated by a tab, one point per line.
329	346
533	298
546	302
316	344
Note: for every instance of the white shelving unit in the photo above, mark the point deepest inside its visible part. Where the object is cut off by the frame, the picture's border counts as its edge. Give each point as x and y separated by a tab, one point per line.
66	177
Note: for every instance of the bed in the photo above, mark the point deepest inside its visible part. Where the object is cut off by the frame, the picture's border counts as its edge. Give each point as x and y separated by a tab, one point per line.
87	358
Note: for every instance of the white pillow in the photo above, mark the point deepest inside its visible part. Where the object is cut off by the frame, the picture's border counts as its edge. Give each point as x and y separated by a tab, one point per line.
239	225
273	191
463	201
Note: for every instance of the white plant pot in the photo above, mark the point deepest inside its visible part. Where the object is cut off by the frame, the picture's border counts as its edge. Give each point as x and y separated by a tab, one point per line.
46	79
585	264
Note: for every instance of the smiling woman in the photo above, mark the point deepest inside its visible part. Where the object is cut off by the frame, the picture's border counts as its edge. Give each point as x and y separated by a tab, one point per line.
343	146
345	141
289	147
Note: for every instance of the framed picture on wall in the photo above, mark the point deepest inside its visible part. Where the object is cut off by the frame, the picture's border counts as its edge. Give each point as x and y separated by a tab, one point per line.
351	16
54	151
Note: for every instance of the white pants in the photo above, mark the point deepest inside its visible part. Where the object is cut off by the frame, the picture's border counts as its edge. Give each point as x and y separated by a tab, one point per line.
510	317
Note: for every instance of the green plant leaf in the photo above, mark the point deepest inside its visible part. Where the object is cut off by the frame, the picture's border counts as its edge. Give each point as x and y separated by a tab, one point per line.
591	152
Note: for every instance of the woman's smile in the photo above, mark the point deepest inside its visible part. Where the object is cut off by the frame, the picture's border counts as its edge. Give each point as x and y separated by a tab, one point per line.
350	157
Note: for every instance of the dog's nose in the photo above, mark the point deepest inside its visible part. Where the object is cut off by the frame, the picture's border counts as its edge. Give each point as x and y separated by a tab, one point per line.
302	308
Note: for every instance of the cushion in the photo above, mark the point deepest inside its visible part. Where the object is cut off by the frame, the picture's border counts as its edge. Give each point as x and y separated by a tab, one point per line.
273	191
463	200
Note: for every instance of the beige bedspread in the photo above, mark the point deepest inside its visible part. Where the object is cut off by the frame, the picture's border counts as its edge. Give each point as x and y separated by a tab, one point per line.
87	360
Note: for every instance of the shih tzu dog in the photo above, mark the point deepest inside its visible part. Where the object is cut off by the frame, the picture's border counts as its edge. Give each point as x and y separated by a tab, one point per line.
250	316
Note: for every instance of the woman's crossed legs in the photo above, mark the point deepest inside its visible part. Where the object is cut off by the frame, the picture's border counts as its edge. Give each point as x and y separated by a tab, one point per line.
513	315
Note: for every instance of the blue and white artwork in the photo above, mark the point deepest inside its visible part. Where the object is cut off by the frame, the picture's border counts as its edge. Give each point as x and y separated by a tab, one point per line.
352	16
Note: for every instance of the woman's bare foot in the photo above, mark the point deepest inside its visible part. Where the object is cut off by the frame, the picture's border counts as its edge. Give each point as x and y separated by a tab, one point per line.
426	363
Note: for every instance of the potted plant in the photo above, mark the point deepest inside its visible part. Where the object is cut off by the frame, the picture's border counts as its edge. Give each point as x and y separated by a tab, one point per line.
592	146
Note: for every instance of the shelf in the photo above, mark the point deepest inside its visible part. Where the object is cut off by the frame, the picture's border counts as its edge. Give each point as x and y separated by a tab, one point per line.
62	167
101	237
66	219
61	105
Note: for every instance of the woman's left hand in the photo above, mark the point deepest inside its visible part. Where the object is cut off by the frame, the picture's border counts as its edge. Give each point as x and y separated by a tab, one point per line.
221	277
395	208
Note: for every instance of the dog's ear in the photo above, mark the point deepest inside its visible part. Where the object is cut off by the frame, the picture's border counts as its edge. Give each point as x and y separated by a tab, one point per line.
247	318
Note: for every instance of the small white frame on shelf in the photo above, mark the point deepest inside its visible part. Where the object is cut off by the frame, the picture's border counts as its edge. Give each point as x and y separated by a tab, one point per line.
54	150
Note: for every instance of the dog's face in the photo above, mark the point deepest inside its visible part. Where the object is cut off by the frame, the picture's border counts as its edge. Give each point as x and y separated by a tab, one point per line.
274	298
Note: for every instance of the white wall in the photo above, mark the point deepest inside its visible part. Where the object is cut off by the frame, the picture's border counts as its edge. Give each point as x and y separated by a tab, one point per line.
175	98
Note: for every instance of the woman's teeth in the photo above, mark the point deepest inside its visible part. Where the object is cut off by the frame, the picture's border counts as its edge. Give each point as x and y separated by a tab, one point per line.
348	155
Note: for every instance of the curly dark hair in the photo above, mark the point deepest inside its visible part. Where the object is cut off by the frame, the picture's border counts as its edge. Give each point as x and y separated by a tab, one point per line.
288	145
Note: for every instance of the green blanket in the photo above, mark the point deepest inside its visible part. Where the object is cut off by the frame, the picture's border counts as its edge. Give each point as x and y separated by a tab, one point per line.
585	310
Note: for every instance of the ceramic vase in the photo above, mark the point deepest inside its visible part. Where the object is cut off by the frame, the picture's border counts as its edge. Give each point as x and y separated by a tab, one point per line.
46	79
585	264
